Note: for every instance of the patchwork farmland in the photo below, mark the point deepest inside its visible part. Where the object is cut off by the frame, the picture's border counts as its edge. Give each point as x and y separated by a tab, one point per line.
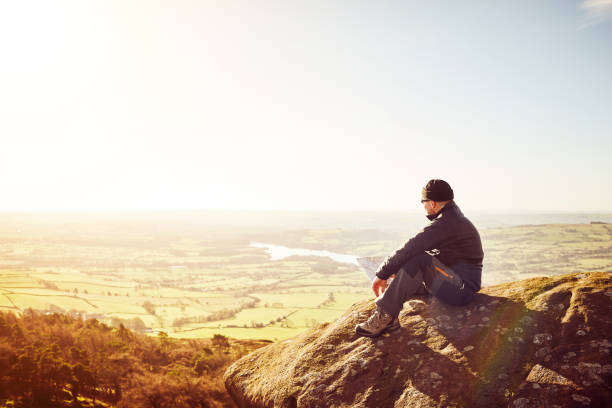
191	281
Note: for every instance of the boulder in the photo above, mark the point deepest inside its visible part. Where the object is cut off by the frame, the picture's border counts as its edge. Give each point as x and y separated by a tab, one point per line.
542	342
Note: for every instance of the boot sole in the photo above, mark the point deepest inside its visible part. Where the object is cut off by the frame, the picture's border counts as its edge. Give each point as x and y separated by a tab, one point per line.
364	333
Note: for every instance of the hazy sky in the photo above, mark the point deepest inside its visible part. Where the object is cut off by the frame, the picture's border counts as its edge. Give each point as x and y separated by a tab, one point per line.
305	104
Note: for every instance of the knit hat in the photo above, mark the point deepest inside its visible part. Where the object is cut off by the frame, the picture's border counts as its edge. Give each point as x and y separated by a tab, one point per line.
438	190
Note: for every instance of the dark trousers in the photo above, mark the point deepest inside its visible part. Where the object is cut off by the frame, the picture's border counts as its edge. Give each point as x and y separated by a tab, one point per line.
421	275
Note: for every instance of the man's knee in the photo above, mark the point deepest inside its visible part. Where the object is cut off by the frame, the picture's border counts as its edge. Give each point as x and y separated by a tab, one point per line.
416	264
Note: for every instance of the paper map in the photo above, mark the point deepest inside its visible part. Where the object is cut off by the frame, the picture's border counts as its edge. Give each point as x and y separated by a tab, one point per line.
370	265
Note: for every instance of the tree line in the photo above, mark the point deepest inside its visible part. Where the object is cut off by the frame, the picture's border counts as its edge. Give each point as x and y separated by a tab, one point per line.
215	316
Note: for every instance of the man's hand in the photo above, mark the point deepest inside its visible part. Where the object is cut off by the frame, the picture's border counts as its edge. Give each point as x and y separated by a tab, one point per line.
379	286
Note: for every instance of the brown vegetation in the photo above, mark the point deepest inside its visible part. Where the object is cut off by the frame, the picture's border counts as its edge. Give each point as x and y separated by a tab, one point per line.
53	360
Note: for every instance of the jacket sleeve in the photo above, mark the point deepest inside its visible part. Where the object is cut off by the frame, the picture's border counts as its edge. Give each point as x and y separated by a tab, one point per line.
427	239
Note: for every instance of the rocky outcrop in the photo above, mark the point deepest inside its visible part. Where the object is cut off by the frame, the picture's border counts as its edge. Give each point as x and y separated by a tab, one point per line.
543	342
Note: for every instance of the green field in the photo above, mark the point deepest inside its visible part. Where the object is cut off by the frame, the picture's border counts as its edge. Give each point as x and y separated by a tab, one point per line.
196	283
542	250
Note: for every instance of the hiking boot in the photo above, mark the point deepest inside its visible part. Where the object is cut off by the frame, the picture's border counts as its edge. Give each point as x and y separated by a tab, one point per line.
377	324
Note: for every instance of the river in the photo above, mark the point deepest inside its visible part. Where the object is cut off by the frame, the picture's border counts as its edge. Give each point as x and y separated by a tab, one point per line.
277	252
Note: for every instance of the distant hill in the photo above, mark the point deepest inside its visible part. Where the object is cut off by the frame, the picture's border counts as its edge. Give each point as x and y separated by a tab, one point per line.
53	360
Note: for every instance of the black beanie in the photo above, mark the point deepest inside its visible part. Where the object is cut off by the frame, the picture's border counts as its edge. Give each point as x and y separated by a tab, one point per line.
437	190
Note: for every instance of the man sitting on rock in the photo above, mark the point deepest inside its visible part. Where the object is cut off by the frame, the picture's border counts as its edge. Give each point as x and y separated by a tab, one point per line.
444	260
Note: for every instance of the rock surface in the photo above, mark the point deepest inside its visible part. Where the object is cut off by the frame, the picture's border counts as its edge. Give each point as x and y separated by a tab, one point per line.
542	342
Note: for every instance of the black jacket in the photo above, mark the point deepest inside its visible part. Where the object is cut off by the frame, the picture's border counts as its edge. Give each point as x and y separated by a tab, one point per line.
451	233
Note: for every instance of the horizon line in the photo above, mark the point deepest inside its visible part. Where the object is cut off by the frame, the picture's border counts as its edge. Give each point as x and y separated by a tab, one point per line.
282	210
